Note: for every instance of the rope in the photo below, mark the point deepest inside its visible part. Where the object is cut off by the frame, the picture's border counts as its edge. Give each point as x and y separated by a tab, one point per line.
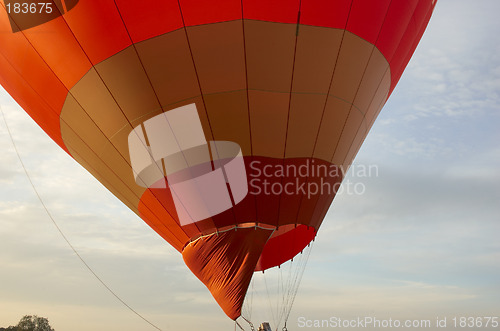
250	323
270	301
248	302
63	235
287	288
238	324
299	281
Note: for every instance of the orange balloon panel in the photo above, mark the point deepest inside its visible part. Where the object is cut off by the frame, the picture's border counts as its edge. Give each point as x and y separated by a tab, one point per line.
227	125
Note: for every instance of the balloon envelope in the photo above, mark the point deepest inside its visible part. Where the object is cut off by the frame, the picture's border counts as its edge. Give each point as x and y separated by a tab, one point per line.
226	125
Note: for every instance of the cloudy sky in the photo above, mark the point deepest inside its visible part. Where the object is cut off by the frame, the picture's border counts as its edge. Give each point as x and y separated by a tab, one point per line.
422	242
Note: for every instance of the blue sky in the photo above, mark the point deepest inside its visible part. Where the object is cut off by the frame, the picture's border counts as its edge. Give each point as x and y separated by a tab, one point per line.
420	243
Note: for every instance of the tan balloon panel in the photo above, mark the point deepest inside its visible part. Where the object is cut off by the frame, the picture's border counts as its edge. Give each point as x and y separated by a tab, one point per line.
229	117
304	120
169	66
321	117
269	55
219	54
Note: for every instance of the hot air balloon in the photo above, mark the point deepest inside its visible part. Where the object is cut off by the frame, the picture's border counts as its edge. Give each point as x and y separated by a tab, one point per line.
226	125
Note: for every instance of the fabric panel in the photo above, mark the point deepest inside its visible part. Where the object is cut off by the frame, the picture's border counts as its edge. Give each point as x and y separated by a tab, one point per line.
225	263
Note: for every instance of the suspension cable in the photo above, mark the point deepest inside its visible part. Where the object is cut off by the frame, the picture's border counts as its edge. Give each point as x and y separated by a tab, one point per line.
249	322
299	281
49	214
238	324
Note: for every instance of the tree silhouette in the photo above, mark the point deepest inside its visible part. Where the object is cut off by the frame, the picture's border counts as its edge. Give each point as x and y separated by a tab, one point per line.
33	323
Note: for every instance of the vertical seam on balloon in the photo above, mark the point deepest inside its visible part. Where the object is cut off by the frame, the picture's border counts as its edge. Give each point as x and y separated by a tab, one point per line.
412	19
201	93
419	34
364	116
407	25
353	107
345	122
194	67
160	107
331	81
364	71
288	118
326	102
291	82
253	197
246	76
